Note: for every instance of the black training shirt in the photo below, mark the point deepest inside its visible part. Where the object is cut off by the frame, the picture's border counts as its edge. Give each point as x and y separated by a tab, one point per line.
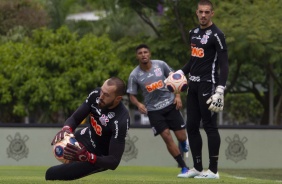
208	54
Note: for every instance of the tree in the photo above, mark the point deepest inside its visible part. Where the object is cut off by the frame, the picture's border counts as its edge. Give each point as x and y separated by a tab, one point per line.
243	31
24	13
50	74
254	49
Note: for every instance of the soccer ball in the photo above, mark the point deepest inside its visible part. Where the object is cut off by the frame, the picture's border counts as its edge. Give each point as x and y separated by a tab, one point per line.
58	148
176	83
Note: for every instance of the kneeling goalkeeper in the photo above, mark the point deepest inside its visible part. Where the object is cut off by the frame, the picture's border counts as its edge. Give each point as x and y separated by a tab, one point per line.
102	142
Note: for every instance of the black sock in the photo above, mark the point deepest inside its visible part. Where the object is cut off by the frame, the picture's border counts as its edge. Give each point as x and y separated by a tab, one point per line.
180	161
213	164
198	163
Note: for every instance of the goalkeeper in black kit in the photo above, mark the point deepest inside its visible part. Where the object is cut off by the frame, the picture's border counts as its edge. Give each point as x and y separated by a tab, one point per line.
102	143
206	89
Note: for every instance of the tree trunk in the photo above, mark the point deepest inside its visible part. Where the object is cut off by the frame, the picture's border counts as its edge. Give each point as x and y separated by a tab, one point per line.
265	117
278	112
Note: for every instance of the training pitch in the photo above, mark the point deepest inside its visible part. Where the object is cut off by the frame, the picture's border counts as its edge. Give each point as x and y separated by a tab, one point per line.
139	174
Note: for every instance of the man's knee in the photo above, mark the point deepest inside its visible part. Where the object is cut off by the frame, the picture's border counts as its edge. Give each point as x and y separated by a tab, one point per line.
49	174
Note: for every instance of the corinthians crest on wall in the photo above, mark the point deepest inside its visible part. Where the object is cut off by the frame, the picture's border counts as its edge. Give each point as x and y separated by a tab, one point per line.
236	150
130	151
17	148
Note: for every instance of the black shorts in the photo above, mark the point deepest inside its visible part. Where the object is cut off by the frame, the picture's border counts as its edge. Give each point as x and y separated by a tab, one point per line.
165	118
197	108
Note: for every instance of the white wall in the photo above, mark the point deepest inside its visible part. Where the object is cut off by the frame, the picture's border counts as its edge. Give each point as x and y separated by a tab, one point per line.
240	148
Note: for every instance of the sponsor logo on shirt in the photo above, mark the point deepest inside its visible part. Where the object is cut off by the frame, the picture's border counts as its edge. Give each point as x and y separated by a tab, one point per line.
111	115
104	120
197	37
162	104
116	124
197	52
150	75
195	78
140	73
91	140
96	126
155	85
196	30
208	32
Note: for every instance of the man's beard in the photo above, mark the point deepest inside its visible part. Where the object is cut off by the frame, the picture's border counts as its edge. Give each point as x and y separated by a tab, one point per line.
102	105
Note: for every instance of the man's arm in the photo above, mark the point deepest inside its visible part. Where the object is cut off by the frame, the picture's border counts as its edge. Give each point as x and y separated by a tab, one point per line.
186	68
178	101
112	160
222	56
141	107
78	116
116	146
72	122
223	67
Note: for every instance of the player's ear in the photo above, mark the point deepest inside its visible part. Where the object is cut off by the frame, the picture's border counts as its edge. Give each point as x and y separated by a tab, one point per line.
118	98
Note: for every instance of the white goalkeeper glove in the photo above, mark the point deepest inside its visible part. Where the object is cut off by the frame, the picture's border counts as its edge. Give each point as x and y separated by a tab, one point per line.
217	100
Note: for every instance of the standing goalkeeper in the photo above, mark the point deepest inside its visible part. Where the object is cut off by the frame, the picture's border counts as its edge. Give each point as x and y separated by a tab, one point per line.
206	89
103	141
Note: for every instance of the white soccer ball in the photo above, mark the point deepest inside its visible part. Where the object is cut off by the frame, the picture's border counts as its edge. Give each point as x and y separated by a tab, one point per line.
176	83
58	148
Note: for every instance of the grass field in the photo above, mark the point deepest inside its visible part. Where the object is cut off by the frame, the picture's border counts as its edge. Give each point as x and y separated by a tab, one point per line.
138	174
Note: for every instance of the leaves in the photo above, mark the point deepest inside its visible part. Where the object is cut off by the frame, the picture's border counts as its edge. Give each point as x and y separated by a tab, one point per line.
54	71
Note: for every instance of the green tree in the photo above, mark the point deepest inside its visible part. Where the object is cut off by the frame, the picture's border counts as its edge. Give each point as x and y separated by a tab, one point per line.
254	49
58	11
51	74
24	13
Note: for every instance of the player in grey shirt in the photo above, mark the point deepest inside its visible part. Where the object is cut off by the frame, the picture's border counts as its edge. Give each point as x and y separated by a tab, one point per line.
161	106
156	96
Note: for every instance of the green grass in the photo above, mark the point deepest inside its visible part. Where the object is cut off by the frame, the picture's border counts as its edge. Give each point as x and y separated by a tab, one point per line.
138	174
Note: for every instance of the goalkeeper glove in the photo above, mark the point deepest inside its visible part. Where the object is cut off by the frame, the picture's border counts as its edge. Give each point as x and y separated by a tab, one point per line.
216	101
75	153
61	134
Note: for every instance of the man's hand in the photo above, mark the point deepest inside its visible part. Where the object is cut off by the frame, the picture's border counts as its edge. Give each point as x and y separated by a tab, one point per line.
142	109
170	73
178	101
180	72
74	153
61	134
217	100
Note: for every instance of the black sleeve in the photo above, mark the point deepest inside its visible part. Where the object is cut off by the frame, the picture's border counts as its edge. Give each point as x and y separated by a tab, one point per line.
186	68
112	160
222	56
78	116
224	67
